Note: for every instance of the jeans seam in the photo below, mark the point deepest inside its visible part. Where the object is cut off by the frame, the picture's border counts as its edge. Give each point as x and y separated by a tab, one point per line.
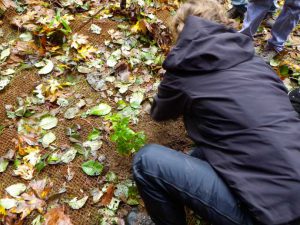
191	195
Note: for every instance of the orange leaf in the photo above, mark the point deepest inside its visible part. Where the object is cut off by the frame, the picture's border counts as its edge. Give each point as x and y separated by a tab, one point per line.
108	195
57	216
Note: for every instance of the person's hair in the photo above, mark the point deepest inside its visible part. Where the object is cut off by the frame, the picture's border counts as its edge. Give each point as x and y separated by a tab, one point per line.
207	9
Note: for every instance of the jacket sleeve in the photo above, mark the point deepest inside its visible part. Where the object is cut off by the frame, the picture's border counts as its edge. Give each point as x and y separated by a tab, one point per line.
170	101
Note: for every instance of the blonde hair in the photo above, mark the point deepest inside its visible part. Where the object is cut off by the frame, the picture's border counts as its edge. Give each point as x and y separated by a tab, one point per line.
207	9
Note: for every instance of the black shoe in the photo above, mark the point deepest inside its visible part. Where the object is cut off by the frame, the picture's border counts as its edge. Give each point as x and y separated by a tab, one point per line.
138	218
236	12
294	96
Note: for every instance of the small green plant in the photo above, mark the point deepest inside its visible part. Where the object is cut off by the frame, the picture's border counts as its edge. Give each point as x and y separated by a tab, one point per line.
126	139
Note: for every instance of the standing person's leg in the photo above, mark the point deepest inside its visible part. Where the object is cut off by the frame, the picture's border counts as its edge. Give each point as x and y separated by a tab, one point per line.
238	9
169	180
284	24
256	12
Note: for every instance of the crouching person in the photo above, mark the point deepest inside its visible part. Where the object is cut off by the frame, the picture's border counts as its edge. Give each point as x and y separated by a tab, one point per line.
245	169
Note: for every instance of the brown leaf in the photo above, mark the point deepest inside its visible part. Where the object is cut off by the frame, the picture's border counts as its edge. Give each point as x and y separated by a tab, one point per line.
27	203
40	188
56	216
108	195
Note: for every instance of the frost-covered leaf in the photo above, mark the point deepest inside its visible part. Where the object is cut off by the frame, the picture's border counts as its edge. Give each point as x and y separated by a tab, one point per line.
48	122
5	53
16	189
92	168
95	29
71	113
77	204
8	203
48	139
47	68
99	110
136	99
69	155
3	164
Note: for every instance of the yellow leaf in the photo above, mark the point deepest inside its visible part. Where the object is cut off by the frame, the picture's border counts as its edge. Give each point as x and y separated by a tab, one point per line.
2	211
140	26
86	51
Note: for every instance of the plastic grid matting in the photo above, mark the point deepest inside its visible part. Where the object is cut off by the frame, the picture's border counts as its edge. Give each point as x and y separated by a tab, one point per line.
22	84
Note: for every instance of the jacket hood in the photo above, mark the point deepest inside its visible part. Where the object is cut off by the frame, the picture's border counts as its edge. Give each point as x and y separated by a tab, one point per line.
205	46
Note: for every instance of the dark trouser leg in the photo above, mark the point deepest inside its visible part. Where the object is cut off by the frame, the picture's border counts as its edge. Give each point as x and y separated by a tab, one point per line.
168	180
284	24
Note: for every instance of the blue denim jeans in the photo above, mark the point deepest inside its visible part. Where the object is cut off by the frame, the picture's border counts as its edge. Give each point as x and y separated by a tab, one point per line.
169	180
284	24
243	5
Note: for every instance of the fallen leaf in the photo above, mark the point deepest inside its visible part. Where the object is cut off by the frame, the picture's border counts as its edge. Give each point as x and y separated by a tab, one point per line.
26	36
48	122
97	194
40	188
28	202
92	168
107	197
94	134
95	29
4	82
5	53
56	216
47	68
71	113
70	174
16	189
77	204
99	110
8	203
69	155
3	164
82	69
38	220
48	139
136	99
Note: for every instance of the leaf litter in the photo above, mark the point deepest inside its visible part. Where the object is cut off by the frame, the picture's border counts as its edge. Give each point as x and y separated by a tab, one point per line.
124	70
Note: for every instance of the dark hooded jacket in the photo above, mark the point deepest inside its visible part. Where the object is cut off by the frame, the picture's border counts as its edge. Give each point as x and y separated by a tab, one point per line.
237	111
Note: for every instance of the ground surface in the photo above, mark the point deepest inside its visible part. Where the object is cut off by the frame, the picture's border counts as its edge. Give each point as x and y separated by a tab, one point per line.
24	81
